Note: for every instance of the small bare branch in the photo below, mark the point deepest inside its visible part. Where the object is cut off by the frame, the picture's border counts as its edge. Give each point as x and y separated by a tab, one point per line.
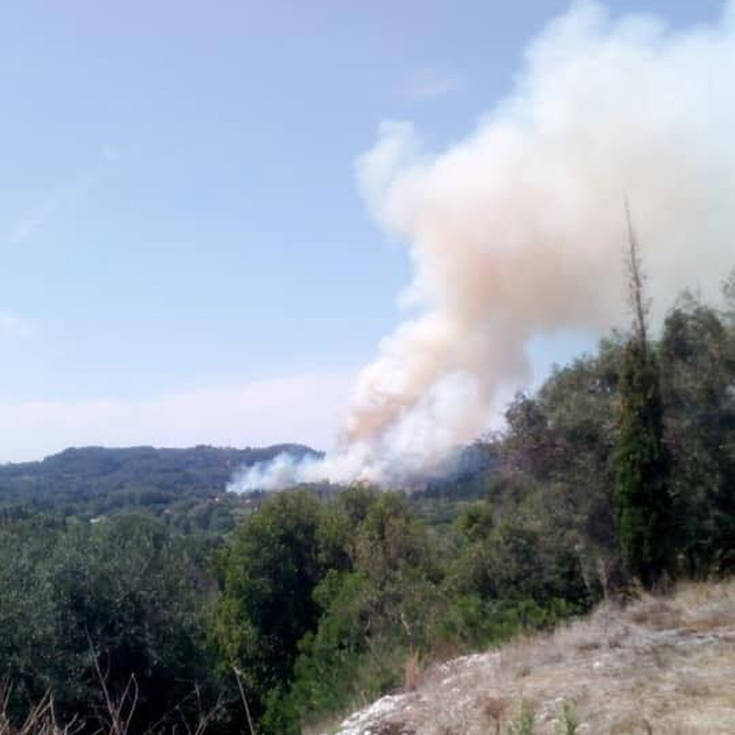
636	281
238	674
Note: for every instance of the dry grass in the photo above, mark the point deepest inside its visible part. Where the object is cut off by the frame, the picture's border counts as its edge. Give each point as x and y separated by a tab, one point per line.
113	719
40	720
412	671
664	666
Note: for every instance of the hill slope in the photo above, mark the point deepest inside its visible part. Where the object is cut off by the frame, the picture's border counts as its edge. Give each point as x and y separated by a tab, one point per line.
93	481
662	666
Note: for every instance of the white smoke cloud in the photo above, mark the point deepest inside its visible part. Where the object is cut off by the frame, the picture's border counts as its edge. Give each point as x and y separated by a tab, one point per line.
518	230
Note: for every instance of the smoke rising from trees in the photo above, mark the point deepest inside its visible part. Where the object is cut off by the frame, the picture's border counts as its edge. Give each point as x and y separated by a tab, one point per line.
518	230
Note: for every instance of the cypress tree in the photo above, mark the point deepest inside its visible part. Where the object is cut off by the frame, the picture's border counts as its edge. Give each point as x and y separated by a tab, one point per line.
642	464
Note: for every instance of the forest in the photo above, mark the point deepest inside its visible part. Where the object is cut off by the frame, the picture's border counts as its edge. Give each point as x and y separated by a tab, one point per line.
183	487
616	475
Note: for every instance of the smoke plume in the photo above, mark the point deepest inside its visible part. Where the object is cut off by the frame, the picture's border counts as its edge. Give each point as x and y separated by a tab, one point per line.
518	230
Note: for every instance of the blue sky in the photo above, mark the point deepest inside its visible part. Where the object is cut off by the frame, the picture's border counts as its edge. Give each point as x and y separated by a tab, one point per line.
185	255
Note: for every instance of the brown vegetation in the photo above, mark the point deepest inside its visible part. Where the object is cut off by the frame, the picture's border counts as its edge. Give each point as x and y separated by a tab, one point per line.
662	665
113	719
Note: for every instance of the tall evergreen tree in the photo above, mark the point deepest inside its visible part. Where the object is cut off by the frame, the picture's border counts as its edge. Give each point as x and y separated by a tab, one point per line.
642	465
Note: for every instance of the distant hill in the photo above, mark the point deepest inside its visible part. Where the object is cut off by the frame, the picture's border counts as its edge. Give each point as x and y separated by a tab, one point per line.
184	484
186	487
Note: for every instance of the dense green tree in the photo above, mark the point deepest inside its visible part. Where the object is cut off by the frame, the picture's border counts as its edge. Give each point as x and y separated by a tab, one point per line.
269	572
559	453
698	375
379	610
642	492
521	567
27	613
124	594
642	462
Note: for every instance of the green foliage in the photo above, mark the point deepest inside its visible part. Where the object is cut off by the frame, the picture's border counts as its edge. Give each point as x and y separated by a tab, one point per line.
513	574
569	722
269	571
524	721
642	494
184	487
559	453
376	611
476	521
516	560
698	372
125	594
642	466
325	598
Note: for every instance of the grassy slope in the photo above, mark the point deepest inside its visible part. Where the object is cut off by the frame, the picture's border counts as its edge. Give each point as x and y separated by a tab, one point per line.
663	665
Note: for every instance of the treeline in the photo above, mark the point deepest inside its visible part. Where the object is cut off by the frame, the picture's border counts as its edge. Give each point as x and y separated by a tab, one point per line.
310	606
580	443
183	487
618	471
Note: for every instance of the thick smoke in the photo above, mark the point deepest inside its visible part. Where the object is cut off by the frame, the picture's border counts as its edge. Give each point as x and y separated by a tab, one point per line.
518	230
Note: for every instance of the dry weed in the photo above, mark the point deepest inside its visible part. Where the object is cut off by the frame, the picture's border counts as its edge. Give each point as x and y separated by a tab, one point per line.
393	728
412	670
494	709
631	724
113	719
655	613
665	664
